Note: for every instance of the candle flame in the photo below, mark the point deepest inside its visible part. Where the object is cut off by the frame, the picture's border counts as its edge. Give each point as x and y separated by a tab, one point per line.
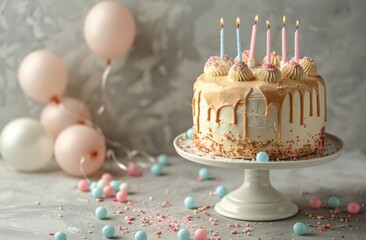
297	24
256	19
222	22
268	24
238	22
284	20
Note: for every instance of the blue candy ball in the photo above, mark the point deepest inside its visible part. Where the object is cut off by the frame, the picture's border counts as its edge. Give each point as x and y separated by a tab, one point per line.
190	202
156	169
334	202
97	192
221	191
108	231
299	228
115	185
262	157
101	212
59	236
184	234
140	235
189	133
93	185
204	173
162	160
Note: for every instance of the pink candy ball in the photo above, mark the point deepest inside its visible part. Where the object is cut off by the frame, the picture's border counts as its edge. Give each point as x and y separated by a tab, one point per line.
315	202
83	185
353	207
107	177
121	196
133	170
77	142
108	191
200	234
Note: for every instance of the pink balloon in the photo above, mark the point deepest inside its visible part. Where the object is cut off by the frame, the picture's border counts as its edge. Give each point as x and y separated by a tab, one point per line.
58	116
109	30
76	142
42	76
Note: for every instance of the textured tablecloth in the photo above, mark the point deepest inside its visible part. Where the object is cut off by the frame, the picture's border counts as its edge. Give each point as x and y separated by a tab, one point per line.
33	205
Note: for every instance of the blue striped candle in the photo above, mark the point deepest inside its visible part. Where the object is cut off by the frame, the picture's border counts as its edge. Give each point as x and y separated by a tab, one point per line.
222	39
238	40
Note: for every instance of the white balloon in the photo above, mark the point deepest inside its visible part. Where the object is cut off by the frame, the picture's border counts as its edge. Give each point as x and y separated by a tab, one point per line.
26	145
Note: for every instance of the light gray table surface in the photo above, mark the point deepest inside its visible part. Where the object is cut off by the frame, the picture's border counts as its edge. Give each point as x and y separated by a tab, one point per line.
33	205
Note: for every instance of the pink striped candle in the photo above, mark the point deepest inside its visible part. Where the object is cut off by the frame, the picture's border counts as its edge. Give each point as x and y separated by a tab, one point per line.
284	40
254	36
268	42
297	42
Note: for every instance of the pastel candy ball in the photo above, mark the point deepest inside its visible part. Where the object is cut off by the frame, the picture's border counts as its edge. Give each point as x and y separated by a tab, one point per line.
101	212
189	133
156	169
221	191
59	236
108	191
108	231
334	202
115	185
204	173
353	207
107	177
183	234
93	185
299	228
162	160
83	185
140	235
121	196
124	187
134	170
97	192
190	202
315	202
200	234
262	157
102	183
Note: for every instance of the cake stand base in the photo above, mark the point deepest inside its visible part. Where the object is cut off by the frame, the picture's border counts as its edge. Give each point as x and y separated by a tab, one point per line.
256	200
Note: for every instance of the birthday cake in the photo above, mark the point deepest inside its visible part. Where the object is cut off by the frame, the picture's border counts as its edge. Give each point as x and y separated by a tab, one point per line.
239	111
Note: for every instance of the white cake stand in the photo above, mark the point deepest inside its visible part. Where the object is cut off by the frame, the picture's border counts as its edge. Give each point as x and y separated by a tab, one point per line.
256	199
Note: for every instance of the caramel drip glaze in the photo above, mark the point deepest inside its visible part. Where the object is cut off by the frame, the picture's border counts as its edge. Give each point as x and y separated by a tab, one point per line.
228	93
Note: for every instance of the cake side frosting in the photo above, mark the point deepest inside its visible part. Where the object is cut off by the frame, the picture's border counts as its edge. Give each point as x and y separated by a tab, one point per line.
285	116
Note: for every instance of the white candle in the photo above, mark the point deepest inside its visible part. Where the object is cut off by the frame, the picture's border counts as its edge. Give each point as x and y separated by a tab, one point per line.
222	39
238	39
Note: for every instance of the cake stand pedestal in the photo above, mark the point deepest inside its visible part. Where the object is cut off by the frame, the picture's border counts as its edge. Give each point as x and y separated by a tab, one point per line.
256	199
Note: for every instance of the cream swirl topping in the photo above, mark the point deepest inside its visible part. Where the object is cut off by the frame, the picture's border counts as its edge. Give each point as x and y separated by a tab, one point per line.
215	66
293	71
268	72
240	72
309	66
275	59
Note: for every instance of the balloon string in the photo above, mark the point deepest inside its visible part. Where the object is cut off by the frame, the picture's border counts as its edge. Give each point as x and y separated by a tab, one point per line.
82	162
110	155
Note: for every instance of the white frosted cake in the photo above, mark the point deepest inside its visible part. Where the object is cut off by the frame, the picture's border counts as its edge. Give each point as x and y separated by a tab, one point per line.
239	111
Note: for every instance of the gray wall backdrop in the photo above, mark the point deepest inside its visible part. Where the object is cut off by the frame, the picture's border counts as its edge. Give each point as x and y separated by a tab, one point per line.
151	88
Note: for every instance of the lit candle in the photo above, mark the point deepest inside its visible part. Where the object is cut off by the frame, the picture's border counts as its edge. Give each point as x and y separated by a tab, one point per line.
297	42
238	39
252	43
284	40
268	42
222	39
